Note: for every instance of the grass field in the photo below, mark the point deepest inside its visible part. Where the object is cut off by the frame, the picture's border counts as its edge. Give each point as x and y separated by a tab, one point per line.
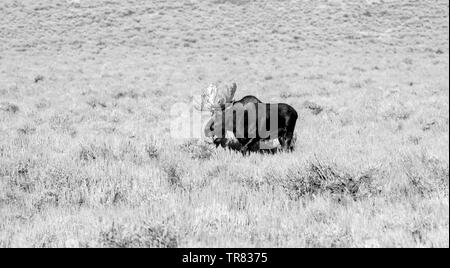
87	159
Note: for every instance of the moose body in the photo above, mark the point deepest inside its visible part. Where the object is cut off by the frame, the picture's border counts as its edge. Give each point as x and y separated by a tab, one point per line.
252	122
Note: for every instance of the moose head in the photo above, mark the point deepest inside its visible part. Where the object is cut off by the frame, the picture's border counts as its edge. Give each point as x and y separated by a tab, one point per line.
213	100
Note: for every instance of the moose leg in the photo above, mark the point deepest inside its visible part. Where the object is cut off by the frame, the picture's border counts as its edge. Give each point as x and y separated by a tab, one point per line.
244	148
282	141
288	142
282	138
289	146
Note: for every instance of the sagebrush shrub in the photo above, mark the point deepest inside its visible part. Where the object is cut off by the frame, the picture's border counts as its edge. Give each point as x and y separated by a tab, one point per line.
174	169
317	178
426	175
152	150
143	236
197	149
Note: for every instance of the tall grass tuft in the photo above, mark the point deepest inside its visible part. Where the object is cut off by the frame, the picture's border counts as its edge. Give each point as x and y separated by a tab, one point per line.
142	236
319	177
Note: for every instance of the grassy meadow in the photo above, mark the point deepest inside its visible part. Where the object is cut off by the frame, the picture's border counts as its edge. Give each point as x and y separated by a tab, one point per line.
87	159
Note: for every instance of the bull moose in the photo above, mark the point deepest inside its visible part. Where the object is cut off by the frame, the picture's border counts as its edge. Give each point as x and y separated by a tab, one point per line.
251	121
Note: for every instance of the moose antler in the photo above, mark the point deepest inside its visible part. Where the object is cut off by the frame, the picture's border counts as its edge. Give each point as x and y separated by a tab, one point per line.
227	95
207	99
210	97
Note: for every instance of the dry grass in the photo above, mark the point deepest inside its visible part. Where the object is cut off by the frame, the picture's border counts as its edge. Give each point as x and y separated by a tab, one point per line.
86	159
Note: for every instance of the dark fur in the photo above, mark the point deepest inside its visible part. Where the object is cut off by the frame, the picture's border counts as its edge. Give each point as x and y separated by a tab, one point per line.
226	143
287	117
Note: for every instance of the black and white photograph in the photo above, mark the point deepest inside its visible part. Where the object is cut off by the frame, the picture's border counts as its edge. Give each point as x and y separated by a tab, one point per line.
224	124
